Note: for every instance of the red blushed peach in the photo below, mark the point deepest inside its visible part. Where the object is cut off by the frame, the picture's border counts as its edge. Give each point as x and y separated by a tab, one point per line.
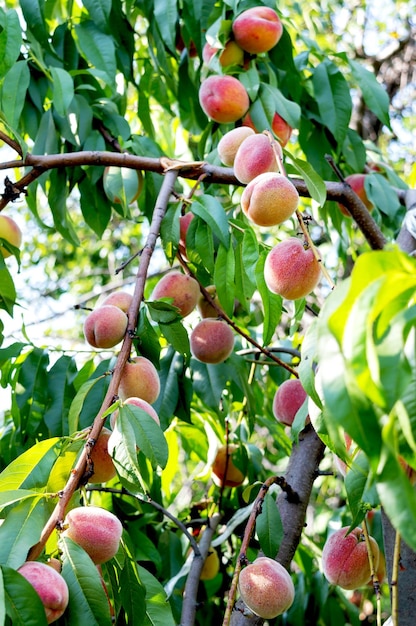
255	156
11	232
266	587
103	464
287	401
105	327
212	341
233	477
230	143
142	404
356	182
96	530
121	299
231	54
257	30
280	128
205	306
291	270
345	558
50	587
139	379
181	288
223	99
269	199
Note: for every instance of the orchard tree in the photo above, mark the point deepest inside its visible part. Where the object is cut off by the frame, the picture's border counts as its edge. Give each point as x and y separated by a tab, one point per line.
207	284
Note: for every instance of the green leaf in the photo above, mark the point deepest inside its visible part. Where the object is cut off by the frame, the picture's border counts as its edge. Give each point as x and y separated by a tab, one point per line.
78	402
7	291
31	469
99	11
166	16
15	495
333	97
63	90
269	527
315	184
98	49
88	603
10	42
60	392
374	94
224	278
212	212
13	92
177	336
57	196
274	101
34	14
132	593
382	194
23	605
148	435
272	303
158	610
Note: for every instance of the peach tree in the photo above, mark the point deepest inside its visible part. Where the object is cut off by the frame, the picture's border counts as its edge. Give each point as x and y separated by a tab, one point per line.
171	173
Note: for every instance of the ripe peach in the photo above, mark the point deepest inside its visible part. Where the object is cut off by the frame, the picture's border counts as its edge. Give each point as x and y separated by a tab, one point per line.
205	307
50	587
122	184
142	404
140	379
280	127
254	156
103	464
231	54
257	30
266	587
96	530
287	401
212	340
184	222
230	143
269	199
234	476
121	299
181	288
105	327
356	182
223	99
345	558
11	232
291	270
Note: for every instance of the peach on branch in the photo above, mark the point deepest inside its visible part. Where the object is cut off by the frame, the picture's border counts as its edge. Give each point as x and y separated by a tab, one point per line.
255	156
96	530
223	99
287	401
231	54
345	559
225	472
230	143
291	270
257	30
356	182
121	299
181	288
105	327
266	587
211	565
205	306
280	127
103	464
142	404
140	379
10	232
269	199
50	587
212	340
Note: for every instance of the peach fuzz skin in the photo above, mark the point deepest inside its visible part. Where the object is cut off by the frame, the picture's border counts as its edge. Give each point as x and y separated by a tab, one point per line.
103	464
181	288
212	341
229	143
345	558
257	30
287	401
140	379
234	477
223	99
96	530
266	587
50	587
231	54
255	156
11	232
290	270
120	299
105	327
280	128
269	199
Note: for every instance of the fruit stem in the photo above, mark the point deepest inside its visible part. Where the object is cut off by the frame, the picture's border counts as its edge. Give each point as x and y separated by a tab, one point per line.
374	577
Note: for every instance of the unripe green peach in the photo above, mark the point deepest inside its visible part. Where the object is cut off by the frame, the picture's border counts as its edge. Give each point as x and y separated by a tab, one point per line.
212	341
266	587
142	404
11	232
226	473
50	587
181	288
356	182
230	143
288	399
96	530
105	327
291	270
211	565
205	306
269	199
279	126
254	156
223	99
139	379
257	30
121	299
345	558
103	465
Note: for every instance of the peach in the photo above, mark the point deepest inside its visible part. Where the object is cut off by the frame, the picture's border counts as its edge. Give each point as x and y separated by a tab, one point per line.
181	288
212	340
142	404
269	199
280	127
345	558
266	587
291	270
103	464
254	156
233	477
121	299
50	587
211	565
10	232
231	54
287	401
122	184
184	222
96	530
140	379
205	307
223	99
230	143
257	30
356	182
105	327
